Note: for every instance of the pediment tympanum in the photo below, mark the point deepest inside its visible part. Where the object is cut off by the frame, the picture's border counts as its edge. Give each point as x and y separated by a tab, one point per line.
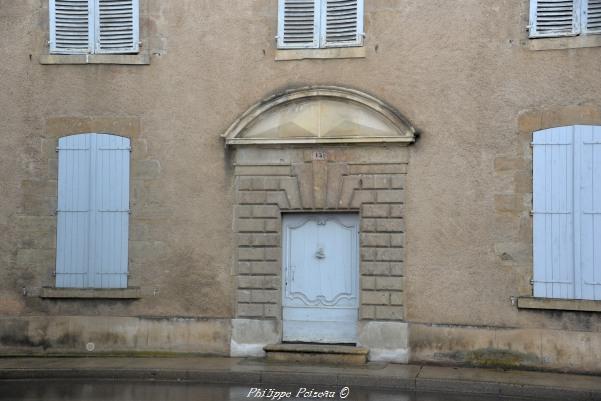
317	115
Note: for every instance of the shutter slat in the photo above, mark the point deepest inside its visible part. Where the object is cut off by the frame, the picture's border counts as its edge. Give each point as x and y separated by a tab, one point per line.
117	26
298	27
554	18
70	26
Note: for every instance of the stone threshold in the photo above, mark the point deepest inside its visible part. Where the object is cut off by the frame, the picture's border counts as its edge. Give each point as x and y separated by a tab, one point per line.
577	305
259	372
316	353
317	348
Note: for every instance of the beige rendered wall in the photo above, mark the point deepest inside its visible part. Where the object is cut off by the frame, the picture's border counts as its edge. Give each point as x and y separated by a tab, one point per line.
462	73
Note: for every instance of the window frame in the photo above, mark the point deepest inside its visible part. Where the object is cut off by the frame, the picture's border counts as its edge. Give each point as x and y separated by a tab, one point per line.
579	24
94	32
319	26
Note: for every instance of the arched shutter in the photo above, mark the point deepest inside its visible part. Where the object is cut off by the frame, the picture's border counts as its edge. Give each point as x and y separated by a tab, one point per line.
554	18
73	214
117	26
298	23
93	214
343	23
71	26
553	186
110	205
592	16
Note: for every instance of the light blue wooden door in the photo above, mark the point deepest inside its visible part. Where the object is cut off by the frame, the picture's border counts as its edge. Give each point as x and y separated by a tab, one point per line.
321	269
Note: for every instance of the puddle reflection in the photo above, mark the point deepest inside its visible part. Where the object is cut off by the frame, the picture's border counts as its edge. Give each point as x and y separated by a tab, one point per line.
78	390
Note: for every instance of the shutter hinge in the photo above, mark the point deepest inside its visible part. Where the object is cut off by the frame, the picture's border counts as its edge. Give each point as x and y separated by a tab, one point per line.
531	282
531	213
54	273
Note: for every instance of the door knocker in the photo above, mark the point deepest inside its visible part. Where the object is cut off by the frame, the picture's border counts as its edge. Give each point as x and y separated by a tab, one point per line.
320	254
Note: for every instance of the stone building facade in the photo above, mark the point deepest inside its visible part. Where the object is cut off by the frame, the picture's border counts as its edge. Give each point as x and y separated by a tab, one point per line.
431	123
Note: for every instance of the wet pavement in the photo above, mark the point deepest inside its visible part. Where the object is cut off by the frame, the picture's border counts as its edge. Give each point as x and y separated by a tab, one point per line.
178	379
78	390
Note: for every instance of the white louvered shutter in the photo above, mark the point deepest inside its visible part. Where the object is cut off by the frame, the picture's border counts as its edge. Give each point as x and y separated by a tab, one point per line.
298	24
554	18
342	23
93	215
553	228
591	19
71	26
117	26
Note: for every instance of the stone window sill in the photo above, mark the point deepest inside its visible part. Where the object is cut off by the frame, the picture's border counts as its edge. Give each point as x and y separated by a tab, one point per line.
579	305
335	52
124	59
568	42
76	293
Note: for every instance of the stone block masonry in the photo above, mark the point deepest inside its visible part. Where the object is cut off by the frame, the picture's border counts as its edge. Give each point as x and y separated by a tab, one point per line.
364	181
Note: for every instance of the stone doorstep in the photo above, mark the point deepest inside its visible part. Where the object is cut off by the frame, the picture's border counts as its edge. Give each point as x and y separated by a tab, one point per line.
317	353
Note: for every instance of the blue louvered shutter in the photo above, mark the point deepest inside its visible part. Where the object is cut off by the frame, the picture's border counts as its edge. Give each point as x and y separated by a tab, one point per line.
71	26
117	26
550	18
92	236
342	23
553	236
73	214
298	24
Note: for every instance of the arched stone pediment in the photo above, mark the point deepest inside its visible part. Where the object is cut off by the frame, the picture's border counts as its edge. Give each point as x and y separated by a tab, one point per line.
320	115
